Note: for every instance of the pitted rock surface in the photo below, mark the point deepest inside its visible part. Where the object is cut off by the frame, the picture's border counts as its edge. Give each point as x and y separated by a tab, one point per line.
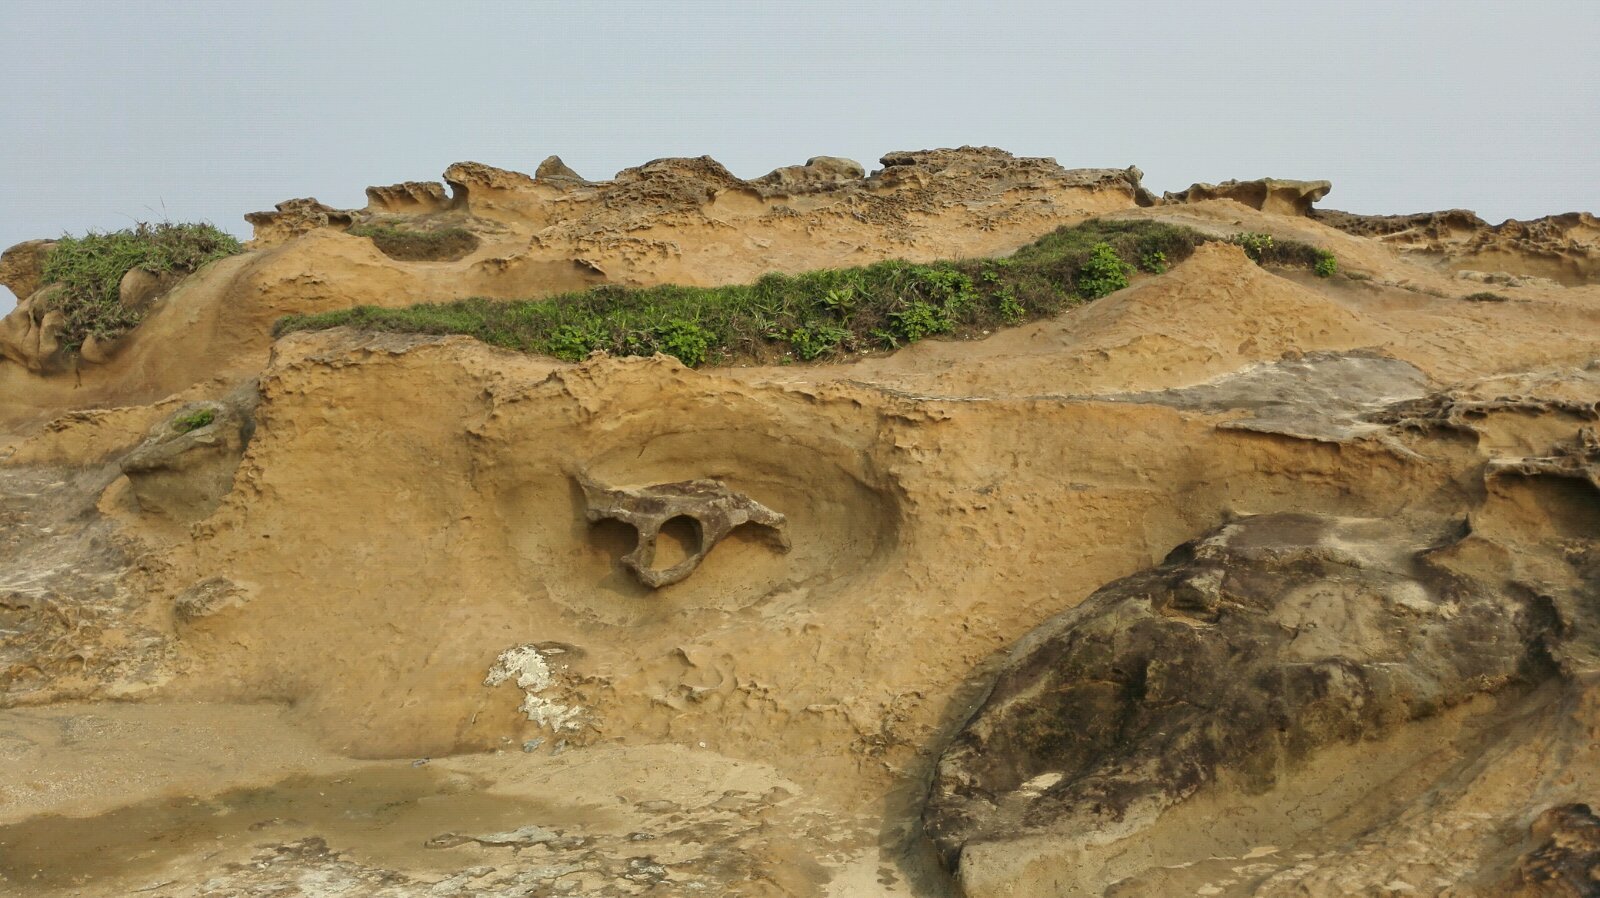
715	509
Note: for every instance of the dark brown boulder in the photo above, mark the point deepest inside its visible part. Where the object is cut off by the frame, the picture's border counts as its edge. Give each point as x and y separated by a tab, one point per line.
1246	652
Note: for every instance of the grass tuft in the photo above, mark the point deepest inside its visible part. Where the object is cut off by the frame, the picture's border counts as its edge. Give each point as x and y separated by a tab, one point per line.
90	271
814	315
194	420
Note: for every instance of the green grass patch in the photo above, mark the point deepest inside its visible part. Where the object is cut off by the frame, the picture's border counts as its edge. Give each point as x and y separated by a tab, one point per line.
194	420
810	316
90	270
407	245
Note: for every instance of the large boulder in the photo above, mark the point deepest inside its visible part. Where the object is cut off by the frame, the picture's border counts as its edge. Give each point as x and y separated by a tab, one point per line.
1245	654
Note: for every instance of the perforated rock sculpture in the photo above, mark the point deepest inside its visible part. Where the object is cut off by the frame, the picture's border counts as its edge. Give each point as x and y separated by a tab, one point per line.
714	509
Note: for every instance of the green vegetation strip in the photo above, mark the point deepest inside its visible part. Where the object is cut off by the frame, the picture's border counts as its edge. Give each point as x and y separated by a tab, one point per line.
820	314
89	270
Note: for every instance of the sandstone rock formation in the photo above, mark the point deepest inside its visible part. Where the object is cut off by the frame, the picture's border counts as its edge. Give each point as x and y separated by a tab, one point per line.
687	221
30	334
1563	248
22	266
409	197
1246	654
375	647
1272	195
710	508
292	218
819	172
186	465
553	169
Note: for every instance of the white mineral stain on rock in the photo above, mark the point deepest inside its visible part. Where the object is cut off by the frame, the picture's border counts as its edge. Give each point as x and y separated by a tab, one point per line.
526	666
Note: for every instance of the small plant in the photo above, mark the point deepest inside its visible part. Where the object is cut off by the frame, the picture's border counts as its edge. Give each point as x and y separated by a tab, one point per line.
921	319
1256	246
194	420
572	343
946	287
685	340
1326	264
886	338
1011	311
1155	262
89	270
818	340
841	301
1103	273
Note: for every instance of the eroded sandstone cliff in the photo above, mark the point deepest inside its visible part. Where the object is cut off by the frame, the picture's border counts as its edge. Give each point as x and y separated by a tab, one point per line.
1237	581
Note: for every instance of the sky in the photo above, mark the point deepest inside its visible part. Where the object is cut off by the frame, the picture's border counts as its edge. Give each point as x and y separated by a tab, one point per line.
117	112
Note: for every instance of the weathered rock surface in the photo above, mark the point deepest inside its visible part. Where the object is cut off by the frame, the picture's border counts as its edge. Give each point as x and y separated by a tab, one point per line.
186	465
30	334
1566	861
1275	196
408	197
22	267
714	510
819	173
1562	248
553	169
292	218
285	688
1246	653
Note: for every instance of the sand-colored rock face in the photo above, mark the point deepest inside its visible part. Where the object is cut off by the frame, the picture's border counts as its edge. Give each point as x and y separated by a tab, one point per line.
687	221
1563	248
361	634
1273	195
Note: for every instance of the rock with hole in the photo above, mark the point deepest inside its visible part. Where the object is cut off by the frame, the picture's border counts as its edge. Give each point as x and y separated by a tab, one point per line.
714	509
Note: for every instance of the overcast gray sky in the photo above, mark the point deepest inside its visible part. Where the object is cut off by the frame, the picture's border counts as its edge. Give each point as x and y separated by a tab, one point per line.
112	112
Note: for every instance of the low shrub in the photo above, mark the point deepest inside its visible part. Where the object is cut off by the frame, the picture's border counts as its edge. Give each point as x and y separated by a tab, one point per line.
89	270
1103	272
